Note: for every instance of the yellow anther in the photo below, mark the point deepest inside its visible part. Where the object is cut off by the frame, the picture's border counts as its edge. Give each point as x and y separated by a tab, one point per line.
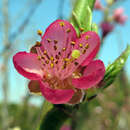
52	65
80	45
45	52
66	59
87	46
87	37
49	40
39	32
68	30
55	41
38	57
38	43
51	58
75	54
62	24
63	49
72	43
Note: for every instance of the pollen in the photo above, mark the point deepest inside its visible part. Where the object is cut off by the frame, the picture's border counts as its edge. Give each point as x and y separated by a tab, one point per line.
49	40
39	32
38	43
75	54
62	24
66	59
63	49
87	37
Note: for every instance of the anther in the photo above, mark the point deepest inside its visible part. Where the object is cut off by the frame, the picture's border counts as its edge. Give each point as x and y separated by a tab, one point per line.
57	57
76	63
52	65
80	45
87	37
68	30
39	32
55	47
62	24
38	43
59	53
52	59
66	59
73	43
55	41
49	40
87	46
47	61
84	51
81	29
45	52
38	57
63	49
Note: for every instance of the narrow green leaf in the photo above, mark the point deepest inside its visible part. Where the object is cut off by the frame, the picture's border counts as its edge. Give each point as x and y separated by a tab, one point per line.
82	15
113	69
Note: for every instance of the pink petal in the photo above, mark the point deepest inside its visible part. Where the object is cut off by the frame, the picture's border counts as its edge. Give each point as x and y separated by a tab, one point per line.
63	34
92	75
28	65
56	96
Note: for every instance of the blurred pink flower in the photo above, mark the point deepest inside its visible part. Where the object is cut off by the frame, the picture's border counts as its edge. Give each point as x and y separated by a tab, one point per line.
106	27
119	16
65	127
55	65
98	5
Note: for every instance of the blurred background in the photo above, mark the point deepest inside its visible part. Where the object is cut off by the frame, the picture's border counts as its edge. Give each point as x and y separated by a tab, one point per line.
19	22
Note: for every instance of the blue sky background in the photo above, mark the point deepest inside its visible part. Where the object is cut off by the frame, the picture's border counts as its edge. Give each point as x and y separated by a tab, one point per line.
46	13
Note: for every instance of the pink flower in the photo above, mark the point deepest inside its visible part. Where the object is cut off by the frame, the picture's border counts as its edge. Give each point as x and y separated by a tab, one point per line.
106	27
98	5
61	67
119	16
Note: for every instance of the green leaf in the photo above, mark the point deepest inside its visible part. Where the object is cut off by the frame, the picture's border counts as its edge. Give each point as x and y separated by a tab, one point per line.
82	15
113	69
94	28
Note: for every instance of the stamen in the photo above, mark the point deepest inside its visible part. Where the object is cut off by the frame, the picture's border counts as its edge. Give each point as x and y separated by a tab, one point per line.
76	63
45	52
87	37
38	43
52	59
84	51
63	49
55	48
56	62
68	30
39	32
62	24
49	40
87	46
72	43
81	29
80	45
75	54
57	57
52	65
39	57
47	61
55	41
